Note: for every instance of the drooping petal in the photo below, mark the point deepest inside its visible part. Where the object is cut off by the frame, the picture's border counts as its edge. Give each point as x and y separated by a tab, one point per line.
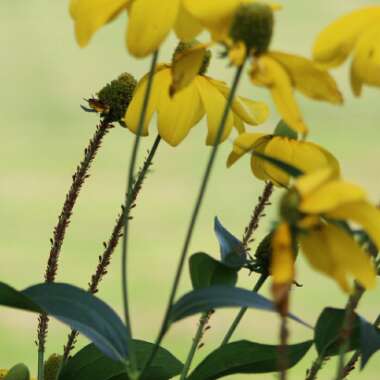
214	103
178	114
334	43
91	15
331	195
186	67
149	23
238	124
365	67
243	144
362	213
309	78
257	164
132	115
282	261
250	111
186	26
267	72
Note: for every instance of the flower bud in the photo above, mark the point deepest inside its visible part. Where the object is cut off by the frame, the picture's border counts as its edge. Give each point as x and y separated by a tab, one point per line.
52	366
289	207
253	25
114	98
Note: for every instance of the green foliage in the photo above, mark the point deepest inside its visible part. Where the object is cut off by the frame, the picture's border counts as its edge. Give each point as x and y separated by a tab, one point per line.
18	372
90	364
369	340
246	357
282	129
205	271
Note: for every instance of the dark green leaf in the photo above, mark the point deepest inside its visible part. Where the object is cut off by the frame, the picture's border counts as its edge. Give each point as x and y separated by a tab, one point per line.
216	297
287	168
206	271
328	332
246	357
369	340
90	364
282	129
18	372
231	248
84	312
13	298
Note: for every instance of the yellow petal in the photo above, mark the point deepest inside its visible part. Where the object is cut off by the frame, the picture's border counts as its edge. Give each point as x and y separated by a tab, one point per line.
363	213
186	67
257	164
365	67
331	195
91	15
214	103
334	43
269	73
309	78
149	23
250	111
282	261
186	26
161	78
178	114
238	124
332	251
243	144
309	183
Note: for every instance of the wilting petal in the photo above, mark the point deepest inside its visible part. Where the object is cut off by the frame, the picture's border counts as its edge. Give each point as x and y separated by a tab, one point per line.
365	67
178	114
362	213
282	261
214	103
243	144
309	78
331	250
186	67
186	26
91	15
269	73
161	78
331	195
334	43
249	111
149	23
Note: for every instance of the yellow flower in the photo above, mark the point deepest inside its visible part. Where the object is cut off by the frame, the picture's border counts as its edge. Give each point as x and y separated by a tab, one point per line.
358	33
196	95
303	155
149	21
316	207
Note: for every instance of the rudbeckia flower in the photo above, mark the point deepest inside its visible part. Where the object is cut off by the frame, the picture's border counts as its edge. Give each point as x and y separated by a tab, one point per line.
149	21
193	96
303	155
315	210
357	33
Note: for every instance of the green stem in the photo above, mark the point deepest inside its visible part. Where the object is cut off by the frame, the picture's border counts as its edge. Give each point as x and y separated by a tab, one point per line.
260	282
196	340
194	217
40	373
127	204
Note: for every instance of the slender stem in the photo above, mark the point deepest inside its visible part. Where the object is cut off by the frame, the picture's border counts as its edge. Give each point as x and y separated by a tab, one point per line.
127	204
196	340
40	373
283	355
195	213
260	282
110	246
78	179
311	373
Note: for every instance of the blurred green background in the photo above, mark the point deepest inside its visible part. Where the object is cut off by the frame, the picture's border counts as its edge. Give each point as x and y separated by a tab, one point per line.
43	78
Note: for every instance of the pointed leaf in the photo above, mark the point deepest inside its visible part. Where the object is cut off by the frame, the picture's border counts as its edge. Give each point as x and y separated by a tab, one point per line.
13	298
90	364
206	271
18	372
328	332
369	341
84	312
216	297
246	357
231	248
287	168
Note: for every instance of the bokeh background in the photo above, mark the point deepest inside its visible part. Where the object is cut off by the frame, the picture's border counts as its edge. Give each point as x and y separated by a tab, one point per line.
43	78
